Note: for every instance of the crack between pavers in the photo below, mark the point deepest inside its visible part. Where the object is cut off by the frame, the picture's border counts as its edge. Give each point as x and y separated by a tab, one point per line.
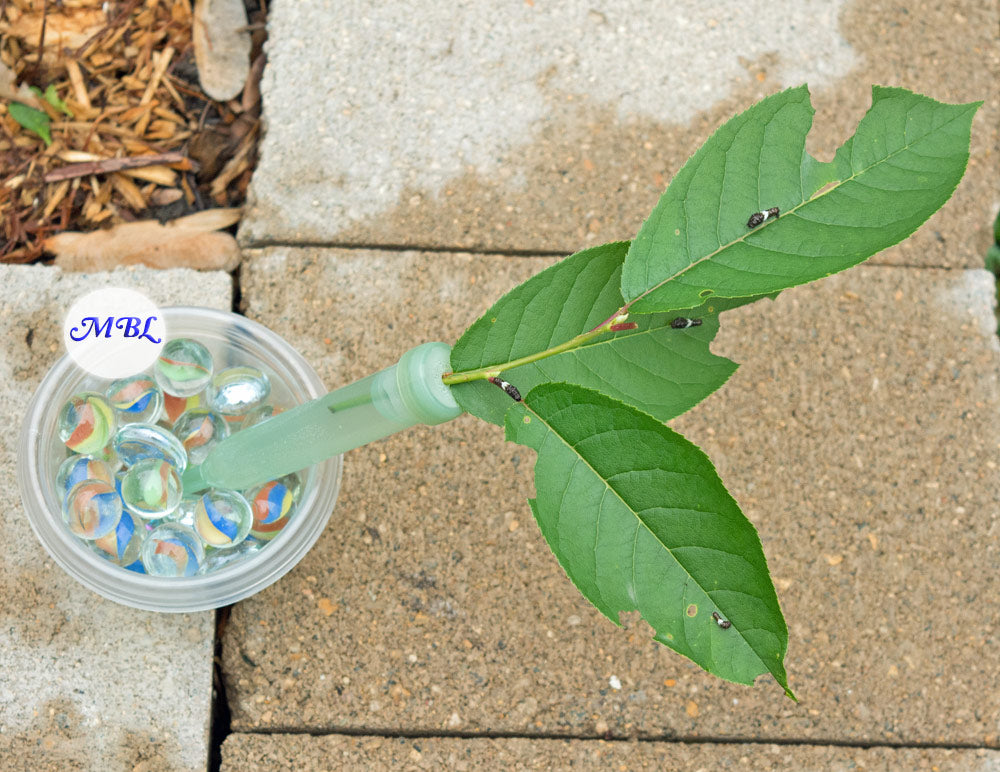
501	252
236	276
436	248
666	738
220	718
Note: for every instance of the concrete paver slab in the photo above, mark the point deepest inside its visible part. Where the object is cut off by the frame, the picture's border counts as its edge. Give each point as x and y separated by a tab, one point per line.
551	127
303	753
87	684
859	436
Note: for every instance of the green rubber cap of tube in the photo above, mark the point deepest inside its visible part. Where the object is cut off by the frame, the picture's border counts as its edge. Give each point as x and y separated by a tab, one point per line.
418	377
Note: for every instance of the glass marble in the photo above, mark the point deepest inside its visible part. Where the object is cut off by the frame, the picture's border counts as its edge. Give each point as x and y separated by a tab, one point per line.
293	482
216	559
272	505
172	550
76	469
151	489
135	442
200	430
86	422
92	509
258	415
222	518
184	514
236	390
184	367
121	545
175	407
136	398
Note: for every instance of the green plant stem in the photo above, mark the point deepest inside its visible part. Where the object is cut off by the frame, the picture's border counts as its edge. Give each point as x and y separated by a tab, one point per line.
493	371
618	317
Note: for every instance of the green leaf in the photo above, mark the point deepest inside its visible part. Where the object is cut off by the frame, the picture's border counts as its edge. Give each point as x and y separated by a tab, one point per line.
32	120
902	165
993	259
639	520
662	371
52	97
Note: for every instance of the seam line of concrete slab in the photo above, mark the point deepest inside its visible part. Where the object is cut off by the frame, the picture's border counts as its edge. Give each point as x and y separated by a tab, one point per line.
269	244
452	250
678	739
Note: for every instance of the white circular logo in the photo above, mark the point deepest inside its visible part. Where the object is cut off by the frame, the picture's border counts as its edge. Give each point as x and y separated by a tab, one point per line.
114	332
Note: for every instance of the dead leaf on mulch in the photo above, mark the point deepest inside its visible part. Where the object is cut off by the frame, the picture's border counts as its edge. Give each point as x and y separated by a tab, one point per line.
221	47
70	28
11	92
195	241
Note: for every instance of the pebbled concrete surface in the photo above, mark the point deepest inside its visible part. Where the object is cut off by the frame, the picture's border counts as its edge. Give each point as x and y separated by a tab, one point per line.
277	753
859	436
551	127
87	684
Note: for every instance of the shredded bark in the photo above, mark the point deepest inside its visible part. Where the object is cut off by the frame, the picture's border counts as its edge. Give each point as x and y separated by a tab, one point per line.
138	138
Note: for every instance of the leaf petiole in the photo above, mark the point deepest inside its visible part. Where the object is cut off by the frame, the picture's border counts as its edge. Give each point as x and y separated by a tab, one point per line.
611	324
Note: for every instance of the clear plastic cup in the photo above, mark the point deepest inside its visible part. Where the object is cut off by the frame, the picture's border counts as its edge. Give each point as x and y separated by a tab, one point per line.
232	340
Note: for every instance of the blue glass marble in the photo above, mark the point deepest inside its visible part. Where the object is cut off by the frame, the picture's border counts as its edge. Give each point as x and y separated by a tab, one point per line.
92	509
200	430
121	545
136	399
184	367
293	482
222	518
76	469
134	442
272	505
151	489
237	390
172	550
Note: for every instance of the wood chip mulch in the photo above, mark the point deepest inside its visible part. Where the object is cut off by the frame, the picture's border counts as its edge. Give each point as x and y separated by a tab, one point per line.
142	140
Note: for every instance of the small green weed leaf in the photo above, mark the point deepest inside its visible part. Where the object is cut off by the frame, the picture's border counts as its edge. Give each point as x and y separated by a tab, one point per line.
901	166
32	120
639	519
52	97
662	371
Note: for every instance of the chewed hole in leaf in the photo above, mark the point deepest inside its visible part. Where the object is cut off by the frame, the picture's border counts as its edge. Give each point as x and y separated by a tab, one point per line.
705	293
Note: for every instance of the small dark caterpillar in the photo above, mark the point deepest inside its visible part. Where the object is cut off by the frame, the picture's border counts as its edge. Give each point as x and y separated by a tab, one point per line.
725	624
682	323
511	390
758	217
